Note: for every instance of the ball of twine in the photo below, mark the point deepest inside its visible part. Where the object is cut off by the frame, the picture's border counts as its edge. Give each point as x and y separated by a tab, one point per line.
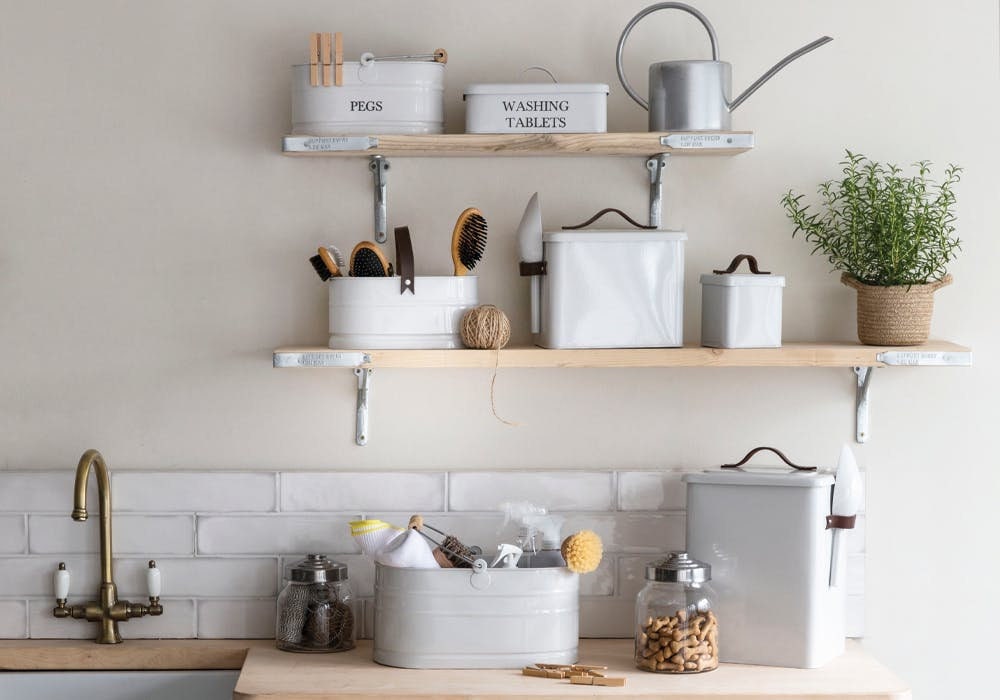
485	328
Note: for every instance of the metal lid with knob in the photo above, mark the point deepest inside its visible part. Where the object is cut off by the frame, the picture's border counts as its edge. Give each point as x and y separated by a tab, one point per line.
679	567
316	568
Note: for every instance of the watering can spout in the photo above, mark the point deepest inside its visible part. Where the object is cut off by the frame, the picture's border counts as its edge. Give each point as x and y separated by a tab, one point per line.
773	70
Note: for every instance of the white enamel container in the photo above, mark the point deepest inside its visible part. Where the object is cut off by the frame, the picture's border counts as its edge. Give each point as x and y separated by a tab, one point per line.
536	108
764	535
454	618
381	97
741	310
612	289
369	313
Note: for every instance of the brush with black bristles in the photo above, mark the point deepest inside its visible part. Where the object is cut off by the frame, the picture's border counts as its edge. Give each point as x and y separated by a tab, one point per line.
367	261
468	240
328	262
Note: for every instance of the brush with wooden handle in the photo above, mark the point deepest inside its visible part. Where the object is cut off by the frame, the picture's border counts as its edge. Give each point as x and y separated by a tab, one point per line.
468	241
367	261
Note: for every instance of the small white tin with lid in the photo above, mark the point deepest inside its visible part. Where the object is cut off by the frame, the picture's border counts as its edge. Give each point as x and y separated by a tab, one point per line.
536	108
741	310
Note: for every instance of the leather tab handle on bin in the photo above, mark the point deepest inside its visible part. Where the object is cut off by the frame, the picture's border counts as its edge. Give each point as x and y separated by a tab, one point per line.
530	269
404	260
840	522
609	210
751	262
755	450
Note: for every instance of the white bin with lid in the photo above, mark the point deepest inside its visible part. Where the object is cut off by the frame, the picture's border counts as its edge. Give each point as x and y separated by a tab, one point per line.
764	533
536	108
606	288
741	310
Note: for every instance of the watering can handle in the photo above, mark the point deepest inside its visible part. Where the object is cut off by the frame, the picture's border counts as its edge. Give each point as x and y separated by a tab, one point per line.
635	20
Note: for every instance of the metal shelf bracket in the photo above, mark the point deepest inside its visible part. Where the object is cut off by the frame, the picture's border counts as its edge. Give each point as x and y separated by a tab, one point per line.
864	379
656	165
364	375
379	166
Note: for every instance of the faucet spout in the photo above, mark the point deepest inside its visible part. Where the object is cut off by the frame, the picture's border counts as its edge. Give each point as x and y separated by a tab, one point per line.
94	458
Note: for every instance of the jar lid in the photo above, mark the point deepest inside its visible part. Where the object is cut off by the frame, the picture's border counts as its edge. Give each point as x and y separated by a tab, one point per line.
317	568
679	567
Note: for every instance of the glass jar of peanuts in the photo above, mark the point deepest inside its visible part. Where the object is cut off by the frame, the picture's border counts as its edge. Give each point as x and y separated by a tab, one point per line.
676	630
314	609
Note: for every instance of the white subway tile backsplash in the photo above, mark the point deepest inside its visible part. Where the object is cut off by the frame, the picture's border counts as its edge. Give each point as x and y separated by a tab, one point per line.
40	492
201	577
236	619
216	492
13	619
556	491
632	532
275	534
659	490
362	491
176	622
222	540
145	535
13	536
32	576
606	617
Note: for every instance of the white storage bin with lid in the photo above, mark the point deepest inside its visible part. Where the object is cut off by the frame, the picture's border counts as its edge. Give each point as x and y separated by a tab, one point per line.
741	310
376	97
536	108
461	618
606	288
764	533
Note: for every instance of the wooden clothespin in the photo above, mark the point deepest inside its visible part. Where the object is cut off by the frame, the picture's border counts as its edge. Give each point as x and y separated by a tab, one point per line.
338	57
326	52
314	59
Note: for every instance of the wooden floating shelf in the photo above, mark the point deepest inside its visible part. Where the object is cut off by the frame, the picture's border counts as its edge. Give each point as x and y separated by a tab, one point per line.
939	353
721	143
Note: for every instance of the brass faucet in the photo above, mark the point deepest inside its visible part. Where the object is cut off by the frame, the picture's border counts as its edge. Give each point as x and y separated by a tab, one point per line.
109	611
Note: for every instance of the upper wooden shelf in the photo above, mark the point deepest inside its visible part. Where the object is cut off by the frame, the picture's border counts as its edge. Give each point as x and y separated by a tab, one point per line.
719	143
790	355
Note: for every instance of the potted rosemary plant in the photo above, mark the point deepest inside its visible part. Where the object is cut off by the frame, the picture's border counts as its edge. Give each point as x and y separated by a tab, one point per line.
891	236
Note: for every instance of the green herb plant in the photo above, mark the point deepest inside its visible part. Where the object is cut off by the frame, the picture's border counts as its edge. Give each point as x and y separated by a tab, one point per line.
880	226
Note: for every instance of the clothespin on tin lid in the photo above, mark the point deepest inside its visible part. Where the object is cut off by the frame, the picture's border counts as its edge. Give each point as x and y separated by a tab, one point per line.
326	50
338	58
314	59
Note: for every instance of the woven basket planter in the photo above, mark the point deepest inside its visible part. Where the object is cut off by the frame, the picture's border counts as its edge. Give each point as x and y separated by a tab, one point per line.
897	315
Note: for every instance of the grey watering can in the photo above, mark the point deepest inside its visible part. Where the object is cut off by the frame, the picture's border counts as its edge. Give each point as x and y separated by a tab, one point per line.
694	95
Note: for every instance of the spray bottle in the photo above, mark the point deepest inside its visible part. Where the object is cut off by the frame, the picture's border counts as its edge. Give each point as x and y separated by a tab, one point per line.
538	534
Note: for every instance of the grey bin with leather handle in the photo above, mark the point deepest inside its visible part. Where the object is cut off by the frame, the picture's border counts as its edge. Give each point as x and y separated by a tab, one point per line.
694	95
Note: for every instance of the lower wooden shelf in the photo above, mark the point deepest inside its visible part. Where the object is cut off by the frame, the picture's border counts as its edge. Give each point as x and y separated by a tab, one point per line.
790	355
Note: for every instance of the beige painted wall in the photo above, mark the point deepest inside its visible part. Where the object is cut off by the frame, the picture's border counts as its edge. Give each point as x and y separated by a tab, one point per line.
153	244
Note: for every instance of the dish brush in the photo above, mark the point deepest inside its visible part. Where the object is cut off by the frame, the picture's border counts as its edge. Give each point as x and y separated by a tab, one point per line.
328	262
468	241
367	261
455	553
582	551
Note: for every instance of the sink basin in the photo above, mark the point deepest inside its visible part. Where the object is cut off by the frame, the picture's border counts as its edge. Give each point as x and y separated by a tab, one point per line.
118	685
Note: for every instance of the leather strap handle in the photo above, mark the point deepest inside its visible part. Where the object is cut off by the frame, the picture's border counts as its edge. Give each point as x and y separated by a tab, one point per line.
778	452
751	263
530	269
404	260
841	522
609	210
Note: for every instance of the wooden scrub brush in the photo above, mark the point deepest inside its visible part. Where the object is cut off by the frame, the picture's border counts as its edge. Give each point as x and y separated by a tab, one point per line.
367	261
328	262
582	551
451	549
468	241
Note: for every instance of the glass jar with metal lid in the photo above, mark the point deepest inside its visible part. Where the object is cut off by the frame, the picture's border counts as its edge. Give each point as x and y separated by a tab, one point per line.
676	629
314	608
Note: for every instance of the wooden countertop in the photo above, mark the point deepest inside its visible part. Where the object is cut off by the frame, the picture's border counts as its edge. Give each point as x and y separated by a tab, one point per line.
269	674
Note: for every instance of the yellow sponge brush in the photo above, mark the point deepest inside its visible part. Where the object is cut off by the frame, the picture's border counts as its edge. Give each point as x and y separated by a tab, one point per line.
582	551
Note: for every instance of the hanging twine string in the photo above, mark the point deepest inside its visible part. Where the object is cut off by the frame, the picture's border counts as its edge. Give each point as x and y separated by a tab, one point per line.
487	328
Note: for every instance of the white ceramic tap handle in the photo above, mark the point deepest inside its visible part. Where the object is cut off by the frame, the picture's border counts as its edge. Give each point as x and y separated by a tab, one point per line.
60	581
153	580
